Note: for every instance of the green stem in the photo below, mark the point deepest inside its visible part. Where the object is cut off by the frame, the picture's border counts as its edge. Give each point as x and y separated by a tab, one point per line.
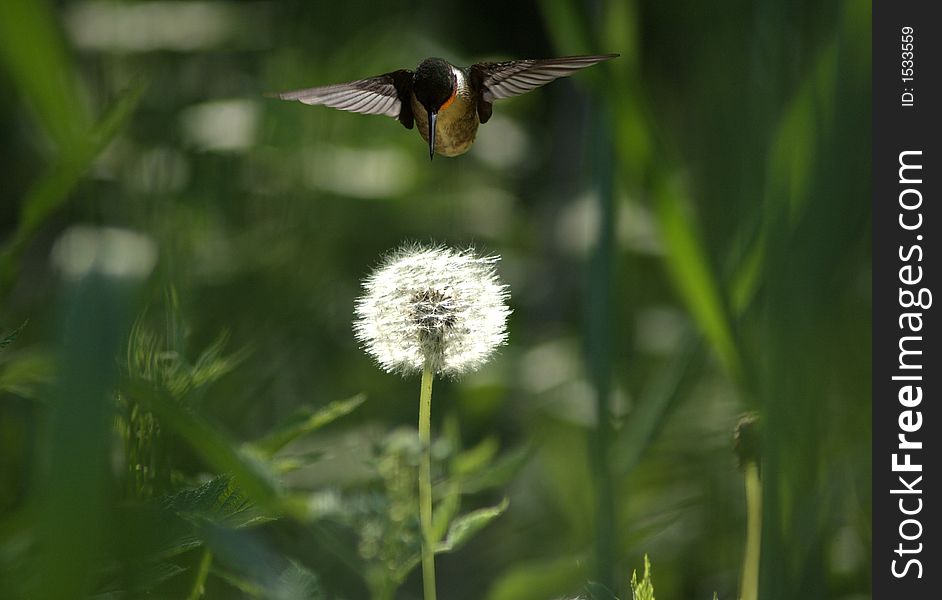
381	585
749	589
199	585
425	485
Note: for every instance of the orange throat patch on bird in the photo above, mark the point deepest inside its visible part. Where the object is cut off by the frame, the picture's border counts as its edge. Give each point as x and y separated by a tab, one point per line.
457	123
454	94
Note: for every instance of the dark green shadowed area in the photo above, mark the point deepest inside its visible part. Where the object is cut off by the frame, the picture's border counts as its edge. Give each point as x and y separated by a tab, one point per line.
684	231
72	498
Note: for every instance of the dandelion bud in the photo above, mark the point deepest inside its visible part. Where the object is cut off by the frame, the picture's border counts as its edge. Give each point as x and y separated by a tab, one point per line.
432	307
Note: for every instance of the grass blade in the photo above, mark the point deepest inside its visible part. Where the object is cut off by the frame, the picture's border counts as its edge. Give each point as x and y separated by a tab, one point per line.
253	475
306	422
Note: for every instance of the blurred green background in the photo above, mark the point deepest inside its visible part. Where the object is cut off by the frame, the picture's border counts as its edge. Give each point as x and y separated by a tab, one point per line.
684	230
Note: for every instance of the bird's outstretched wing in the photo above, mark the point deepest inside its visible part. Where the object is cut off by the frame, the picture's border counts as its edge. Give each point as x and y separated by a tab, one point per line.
386	94
494	81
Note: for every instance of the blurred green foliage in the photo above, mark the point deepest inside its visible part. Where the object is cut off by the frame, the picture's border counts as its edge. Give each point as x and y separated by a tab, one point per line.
685	232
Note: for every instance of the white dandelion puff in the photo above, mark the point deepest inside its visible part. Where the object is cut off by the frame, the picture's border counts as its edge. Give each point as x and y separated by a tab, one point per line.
432	307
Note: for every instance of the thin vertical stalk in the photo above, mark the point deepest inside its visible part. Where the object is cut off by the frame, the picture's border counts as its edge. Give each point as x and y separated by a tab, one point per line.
383	593
600	321
749	588
425	484
199	584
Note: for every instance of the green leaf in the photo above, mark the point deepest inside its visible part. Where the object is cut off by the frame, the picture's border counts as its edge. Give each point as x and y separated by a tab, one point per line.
464	527
445	512
567	26
11	337
597	591
27	373
52	190
288	464
693	276
497	474
539	580
295	583
655	404
246	562
170	525
213	363
177	546
237	581
304	423
217	500
644	589
475	459
298	583
808	117
158	355
145	577
249	470
39	64
156	573
74	488
793	155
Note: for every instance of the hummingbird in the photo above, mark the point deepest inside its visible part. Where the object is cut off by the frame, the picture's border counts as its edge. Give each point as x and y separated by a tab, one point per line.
446	102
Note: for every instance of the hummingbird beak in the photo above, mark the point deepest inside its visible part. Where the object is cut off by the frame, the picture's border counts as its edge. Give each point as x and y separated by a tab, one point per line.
432	117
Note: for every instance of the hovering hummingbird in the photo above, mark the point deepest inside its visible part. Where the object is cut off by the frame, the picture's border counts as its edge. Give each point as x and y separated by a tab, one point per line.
446	101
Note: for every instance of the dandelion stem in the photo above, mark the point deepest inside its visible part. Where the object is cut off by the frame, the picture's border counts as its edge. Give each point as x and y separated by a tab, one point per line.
749	588
425	484
199	585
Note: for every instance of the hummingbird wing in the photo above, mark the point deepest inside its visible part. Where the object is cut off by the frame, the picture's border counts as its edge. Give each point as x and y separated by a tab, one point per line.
386	94
495	81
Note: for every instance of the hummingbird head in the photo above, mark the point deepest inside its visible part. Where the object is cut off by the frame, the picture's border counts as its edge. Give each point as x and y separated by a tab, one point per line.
434	86
434	83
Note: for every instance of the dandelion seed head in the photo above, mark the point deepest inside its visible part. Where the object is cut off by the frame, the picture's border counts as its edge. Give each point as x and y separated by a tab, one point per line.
432	306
